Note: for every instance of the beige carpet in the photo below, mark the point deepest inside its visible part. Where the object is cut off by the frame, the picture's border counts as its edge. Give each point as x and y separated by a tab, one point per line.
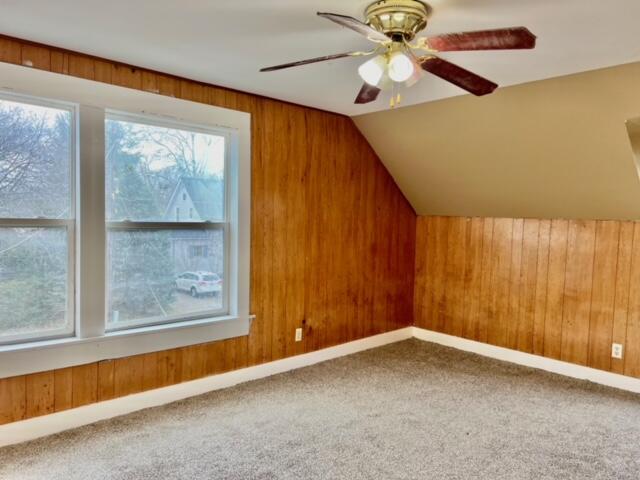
411	410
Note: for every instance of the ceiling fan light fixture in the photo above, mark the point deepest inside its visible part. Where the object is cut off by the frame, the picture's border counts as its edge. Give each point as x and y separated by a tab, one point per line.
373	70
401	67
392	25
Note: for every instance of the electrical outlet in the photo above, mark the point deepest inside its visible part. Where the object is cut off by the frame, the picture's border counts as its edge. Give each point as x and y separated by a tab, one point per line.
616	351
298	334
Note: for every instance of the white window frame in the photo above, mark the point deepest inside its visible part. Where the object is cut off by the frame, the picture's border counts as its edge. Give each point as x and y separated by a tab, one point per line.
221	224
67	224
90	341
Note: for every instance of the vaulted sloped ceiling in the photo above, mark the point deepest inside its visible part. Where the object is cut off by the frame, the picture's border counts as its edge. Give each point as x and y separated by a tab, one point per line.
557	148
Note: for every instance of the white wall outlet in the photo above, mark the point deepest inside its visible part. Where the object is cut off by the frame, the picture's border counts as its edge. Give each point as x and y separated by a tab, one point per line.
298	334
616	351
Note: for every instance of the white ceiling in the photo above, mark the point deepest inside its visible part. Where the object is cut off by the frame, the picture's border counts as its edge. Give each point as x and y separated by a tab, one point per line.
225	42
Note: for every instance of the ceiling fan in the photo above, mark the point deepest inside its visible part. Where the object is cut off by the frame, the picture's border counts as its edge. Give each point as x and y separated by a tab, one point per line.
393	25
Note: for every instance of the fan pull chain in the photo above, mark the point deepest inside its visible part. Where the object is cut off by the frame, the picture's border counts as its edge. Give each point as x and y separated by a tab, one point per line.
396	99
392	100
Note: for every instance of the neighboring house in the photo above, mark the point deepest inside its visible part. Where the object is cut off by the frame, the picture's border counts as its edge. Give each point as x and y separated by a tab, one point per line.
197	200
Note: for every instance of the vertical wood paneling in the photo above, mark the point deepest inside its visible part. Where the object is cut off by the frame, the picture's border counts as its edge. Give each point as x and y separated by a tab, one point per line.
13	399
383	243
63	389
103	71
126	76
10	51
486	297
563	289
230	355
431	248
60	62
542	280
623	280
473	277
500	276
84	384
528	286
81	67
439	271
194	361
577	294
215	358
169	367
555	288
150	371
39	389
632	344
420	305
106	380
36	57
332	244
605	264
454	284
515	284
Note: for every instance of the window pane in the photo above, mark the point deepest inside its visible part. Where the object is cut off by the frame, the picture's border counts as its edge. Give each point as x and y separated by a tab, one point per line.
35	160
33	282
159	174
154	277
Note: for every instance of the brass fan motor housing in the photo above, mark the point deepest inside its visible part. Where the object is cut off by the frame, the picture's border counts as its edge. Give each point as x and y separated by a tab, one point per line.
397	18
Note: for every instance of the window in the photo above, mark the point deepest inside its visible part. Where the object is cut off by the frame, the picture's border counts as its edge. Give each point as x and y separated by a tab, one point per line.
148	165
124	222
36	219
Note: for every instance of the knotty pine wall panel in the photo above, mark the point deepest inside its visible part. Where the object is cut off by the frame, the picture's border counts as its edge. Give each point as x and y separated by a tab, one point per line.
332	243
564	289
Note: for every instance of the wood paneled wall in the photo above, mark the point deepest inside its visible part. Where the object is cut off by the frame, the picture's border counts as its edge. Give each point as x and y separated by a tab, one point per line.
332	244
564	289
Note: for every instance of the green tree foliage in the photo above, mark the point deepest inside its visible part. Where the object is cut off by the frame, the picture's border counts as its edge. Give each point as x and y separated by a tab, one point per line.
33	272
144	166
141	268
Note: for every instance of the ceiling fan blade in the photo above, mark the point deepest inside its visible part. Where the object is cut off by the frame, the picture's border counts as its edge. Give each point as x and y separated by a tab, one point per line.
315	60
464	79
516	38
368	93
357	26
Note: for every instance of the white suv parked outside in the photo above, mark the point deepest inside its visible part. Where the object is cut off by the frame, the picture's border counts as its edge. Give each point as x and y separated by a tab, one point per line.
199	283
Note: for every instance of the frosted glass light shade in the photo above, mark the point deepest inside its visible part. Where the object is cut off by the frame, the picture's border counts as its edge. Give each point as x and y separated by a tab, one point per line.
400	67
372	70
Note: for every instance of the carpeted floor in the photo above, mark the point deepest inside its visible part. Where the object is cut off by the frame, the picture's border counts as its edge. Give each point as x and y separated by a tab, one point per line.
411	410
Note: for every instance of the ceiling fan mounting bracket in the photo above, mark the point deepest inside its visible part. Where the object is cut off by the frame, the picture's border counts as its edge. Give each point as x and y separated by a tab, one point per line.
397	18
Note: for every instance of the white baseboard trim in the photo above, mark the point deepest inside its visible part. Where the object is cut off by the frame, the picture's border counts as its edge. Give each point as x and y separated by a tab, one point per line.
601	377
37	427
33	428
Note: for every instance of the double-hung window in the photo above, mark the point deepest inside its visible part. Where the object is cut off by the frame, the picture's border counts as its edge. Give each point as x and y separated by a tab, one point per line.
37	210
124	222
153	170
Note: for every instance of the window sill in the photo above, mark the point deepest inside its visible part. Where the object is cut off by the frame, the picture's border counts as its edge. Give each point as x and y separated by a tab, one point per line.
61	353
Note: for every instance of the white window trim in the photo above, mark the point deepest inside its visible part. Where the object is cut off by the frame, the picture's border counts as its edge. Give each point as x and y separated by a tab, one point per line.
230	138
91	343
69	223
